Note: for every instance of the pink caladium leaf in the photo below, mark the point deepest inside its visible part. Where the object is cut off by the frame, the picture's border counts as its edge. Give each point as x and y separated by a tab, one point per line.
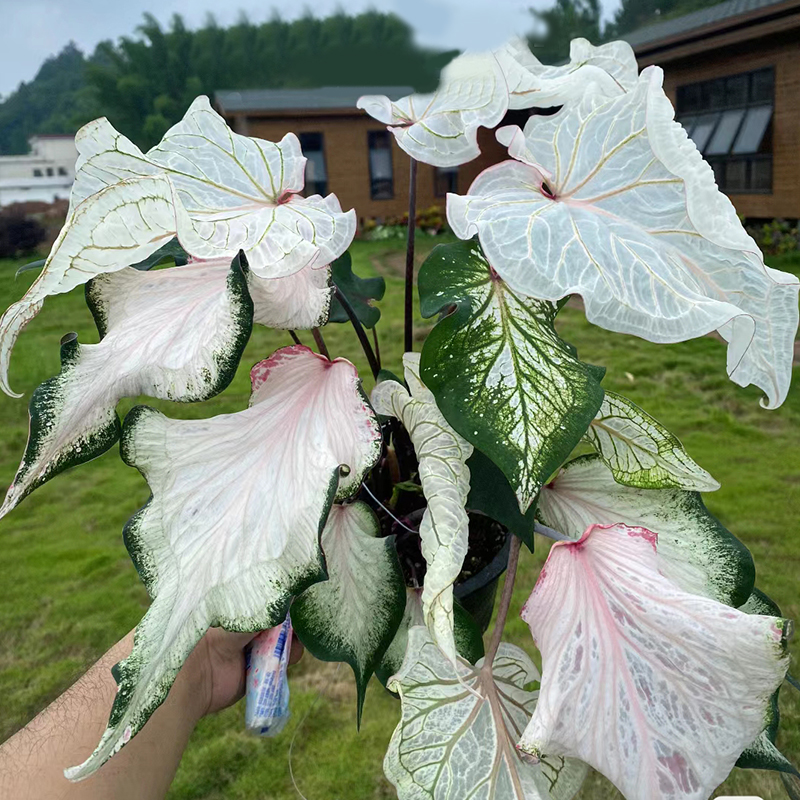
609	199
442	128
608	70
176	334
218	191
232	531
658	689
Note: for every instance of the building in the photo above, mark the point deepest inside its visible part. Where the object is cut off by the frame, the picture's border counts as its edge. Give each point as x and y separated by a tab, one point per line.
348	152
45	174
733	73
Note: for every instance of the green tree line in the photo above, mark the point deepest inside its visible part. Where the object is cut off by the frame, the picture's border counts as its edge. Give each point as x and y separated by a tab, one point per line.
144	82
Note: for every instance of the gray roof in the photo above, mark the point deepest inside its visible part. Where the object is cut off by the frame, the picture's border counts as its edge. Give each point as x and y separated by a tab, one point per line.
697	19
302	99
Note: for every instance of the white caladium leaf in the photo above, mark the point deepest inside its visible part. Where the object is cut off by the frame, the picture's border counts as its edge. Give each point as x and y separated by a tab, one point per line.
501	375
608	70
658	689
177	334
613	202
442	456
641	452
300	301
442	128
455	743
695	550
231	532
354	615
116	227
242	193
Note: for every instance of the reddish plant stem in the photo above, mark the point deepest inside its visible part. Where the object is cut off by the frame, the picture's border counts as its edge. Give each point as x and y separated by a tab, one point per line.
317	334
412	225
295	337
359	329
377	345
505	602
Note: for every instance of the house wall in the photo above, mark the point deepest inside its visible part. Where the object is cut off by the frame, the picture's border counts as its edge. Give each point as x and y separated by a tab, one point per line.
782	52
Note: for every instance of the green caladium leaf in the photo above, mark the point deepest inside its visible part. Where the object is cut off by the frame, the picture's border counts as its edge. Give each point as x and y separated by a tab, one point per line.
171	251
460	725
500	374
694	549
360	292
641	452
491	494
763	754
468	638
354	615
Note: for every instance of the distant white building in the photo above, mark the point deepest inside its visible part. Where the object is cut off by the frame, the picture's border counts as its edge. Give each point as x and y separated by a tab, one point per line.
45	174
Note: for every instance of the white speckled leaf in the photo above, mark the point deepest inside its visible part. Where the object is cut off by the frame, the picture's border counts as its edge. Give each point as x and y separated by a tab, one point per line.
454	743
499	372
231	532
658	689
242	193
641	452
442	128
614	203
116	227
609	69
177	334
694	549
354	615
442	456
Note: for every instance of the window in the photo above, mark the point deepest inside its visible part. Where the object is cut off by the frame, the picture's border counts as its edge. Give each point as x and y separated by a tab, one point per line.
381	178
729	119
37	173
316	174
62	170
49	172
445	179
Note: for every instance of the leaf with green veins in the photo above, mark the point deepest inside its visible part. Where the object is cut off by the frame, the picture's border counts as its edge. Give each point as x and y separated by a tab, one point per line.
354	615
695	550
360	292
171	251
468	638
641	452
460	725
500	374
491	494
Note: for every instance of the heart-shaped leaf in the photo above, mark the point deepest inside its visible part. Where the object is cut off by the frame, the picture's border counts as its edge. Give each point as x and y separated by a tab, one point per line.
177	334
658	689
231	532
641	452
609	199
442	128
354	615
171	251
457	735
694	549
359	292
442	456
500	374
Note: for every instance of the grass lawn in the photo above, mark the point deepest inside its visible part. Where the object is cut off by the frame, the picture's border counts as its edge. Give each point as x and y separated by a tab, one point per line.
68	590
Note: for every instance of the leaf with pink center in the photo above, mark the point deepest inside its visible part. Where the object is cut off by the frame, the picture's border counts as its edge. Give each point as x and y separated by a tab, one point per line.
609	199
658	689
442	456
442	128
177	334
231	532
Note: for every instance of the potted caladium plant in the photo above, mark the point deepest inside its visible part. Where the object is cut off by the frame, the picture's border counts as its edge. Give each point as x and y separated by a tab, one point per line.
365	519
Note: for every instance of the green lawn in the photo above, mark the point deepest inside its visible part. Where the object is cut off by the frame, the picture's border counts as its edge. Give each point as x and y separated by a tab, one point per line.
68	590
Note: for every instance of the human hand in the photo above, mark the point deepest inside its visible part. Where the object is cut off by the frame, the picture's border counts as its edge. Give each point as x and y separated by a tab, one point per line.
214	674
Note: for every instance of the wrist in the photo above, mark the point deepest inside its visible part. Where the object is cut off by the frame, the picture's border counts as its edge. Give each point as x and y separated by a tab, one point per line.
193	685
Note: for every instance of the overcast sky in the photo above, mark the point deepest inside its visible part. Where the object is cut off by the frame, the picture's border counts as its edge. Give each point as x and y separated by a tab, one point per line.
34	29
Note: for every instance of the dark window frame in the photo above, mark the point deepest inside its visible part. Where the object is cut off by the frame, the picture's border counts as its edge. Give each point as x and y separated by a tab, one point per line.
445	179
697	103
314	142
380	188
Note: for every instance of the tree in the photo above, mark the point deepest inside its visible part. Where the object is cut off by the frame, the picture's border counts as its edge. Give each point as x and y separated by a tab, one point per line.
564	21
